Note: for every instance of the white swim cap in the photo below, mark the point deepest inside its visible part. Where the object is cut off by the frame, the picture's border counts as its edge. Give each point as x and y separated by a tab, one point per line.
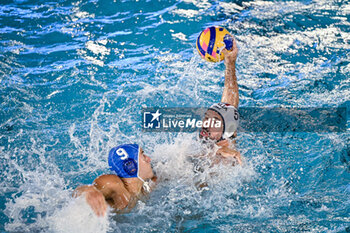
230	117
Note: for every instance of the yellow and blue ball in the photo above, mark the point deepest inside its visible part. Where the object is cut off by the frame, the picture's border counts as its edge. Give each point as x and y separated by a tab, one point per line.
211	41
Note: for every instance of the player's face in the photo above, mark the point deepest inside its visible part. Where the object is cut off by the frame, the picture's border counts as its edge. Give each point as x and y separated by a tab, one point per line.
213	130
145	169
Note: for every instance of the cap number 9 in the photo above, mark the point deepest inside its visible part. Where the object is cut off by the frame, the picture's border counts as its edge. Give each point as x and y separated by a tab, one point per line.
122	153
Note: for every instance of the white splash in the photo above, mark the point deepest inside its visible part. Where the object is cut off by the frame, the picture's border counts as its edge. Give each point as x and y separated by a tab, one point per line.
77	216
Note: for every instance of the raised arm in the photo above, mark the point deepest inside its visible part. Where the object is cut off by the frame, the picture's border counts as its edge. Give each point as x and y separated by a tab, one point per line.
230	93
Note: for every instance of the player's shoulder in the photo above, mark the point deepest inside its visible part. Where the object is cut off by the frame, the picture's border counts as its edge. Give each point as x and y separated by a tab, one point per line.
108	179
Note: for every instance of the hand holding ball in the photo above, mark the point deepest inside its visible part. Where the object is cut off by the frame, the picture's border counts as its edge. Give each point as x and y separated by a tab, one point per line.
212	41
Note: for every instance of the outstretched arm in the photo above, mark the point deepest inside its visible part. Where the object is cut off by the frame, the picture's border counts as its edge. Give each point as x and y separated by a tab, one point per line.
230	93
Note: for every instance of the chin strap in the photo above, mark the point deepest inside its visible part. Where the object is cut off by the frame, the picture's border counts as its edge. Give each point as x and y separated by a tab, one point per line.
145	185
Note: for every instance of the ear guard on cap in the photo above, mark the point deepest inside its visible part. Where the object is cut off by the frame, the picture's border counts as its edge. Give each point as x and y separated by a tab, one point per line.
130	167
230	117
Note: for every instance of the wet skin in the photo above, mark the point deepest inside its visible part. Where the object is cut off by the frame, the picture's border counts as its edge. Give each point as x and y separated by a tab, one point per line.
118	193
212	132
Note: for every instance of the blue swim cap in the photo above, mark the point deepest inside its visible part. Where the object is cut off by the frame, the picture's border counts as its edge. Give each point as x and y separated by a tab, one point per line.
124	160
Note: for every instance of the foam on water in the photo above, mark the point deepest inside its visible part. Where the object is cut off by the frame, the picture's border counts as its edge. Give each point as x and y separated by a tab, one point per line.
77	216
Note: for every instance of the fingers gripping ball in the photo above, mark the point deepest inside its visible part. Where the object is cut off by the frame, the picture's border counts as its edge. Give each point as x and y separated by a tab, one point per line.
212	41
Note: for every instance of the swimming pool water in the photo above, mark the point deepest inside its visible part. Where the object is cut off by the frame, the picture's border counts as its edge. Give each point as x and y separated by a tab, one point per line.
75	74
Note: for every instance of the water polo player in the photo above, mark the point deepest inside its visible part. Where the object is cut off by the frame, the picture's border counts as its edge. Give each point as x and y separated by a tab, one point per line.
123	190
227	110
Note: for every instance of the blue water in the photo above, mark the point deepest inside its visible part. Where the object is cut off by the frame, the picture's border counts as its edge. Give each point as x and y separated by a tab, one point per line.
75	74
